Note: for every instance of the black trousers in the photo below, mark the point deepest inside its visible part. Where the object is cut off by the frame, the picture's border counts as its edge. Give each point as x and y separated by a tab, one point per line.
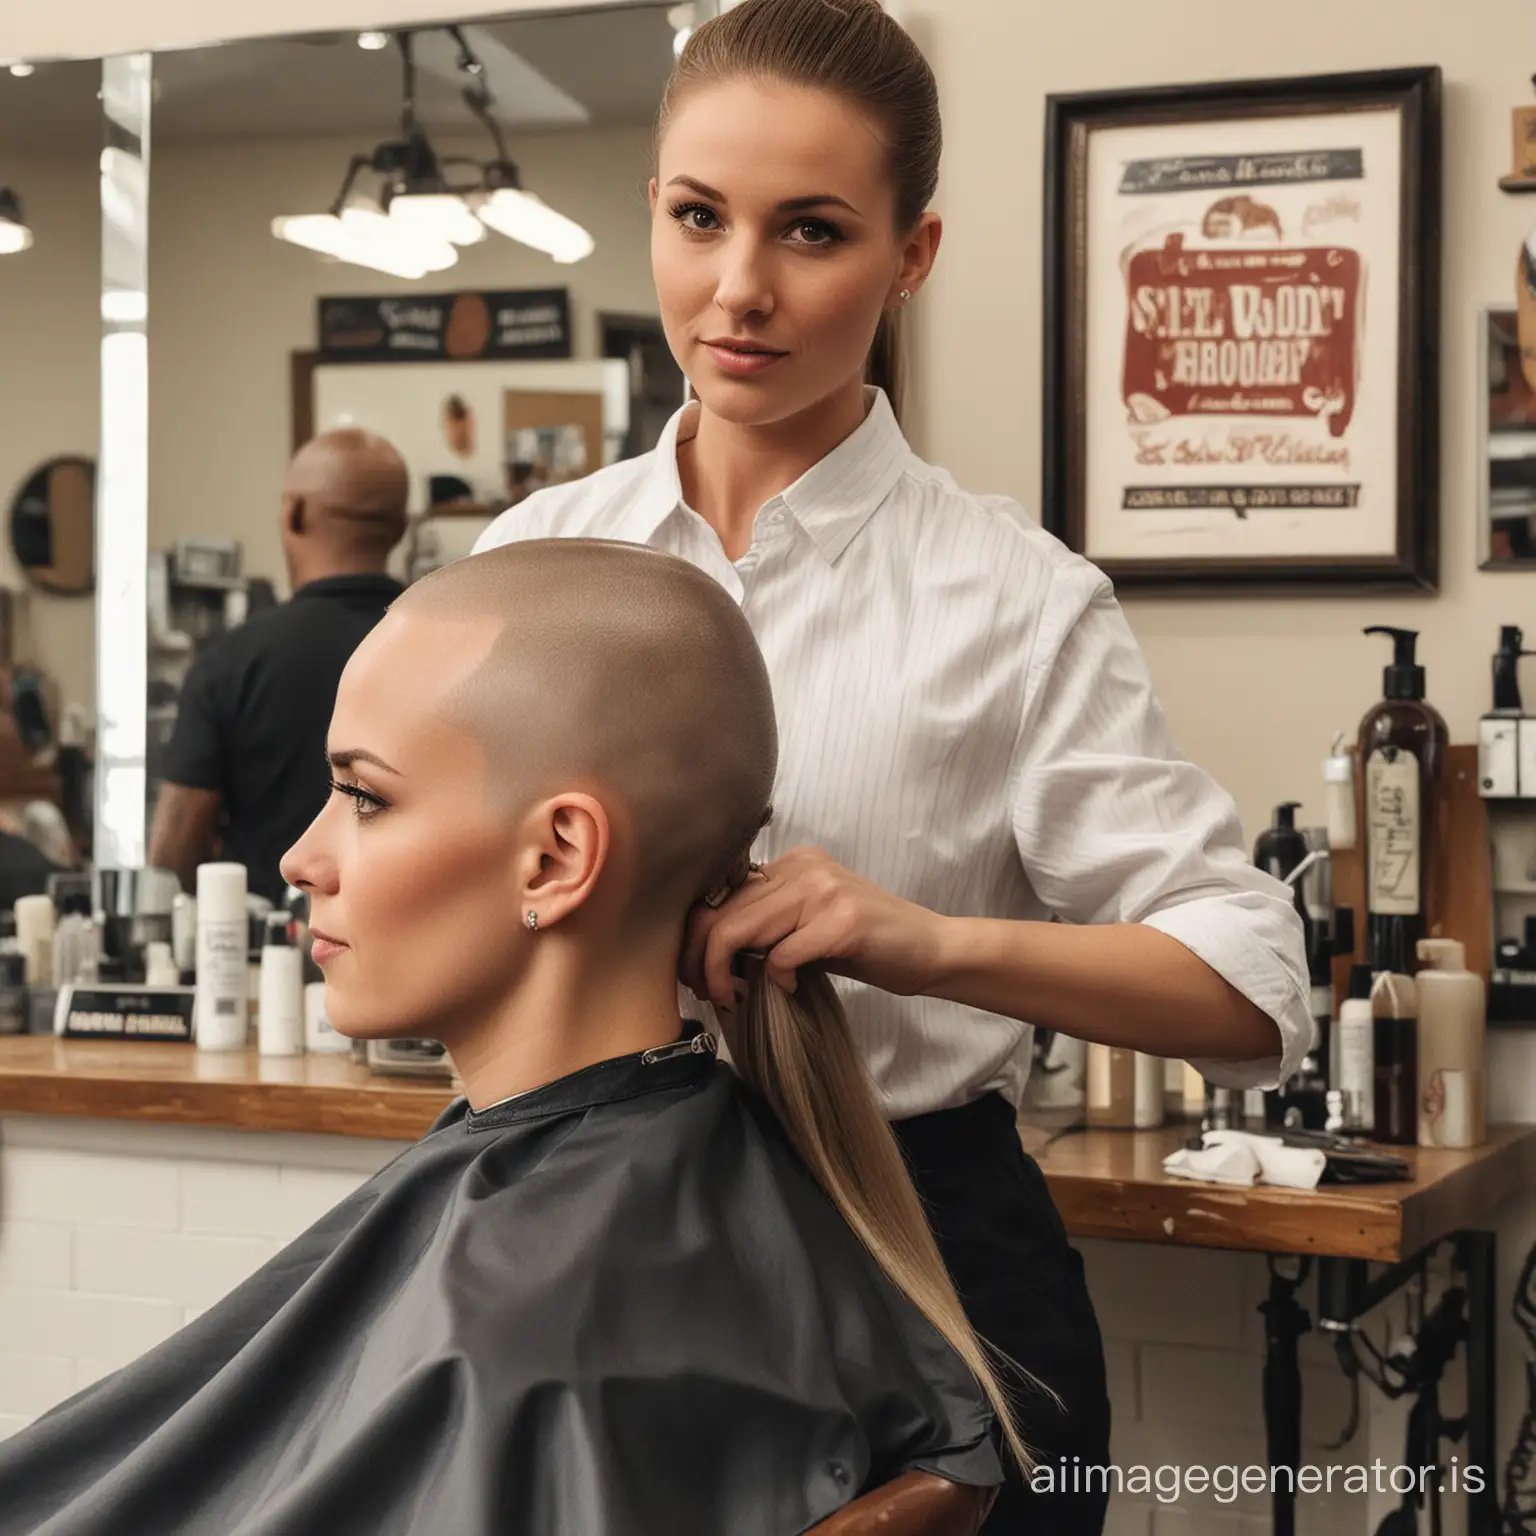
1022	1286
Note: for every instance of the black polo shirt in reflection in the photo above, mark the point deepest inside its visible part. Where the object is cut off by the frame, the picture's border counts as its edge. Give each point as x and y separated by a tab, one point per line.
254	712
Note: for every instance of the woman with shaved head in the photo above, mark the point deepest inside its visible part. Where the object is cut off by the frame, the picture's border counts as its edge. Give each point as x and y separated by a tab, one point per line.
619	1289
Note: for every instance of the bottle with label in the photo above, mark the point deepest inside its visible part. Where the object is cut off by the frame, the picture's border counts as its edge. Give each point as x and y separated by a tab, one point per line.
1356	1056
219	1012
1402	754
1452	1028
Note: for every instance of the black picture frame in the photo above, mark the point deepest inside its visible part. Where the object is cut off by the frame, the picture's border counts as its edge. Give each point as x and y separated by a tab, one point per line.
1071	120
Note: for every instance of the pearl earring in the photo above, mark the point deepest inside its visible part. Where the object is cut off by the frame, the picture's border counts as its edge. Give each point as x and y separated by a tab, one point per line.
906	293
532	921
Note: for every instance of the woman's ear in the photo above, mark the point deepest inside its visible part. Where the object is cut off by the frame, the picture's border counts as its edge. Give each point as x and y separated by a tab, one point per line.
568	847
918	254
652	194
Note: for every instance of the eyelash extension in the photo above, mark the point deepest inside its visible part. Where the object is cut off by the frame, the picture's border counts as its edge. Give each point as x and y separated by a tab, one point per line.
680	211
360	797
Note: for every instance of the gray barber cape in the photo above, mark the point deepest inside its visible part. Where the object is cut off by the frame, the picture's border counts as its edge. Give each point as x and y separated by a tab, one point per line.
616	1304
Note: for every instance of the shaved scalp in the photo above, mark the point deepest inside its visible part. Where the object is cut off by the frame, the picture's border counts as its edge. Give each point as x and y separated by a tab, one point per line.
353	487
624	673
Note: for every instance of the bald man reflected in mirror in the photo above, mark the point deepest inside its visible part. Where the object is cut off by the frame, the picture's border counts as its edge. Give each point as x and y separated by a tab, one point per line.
245	769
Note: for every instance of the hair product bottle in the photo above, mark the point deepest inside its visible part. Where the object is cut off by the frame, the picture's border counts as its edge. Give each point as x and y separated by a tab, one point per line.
219	1012
1452	1026
1402	753
1395	1048
280	1020
1355	1070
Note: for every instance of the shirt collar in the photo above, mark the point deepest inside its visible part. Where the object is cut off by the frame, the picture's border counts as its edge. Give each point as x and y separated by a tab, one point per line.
832	500
365	582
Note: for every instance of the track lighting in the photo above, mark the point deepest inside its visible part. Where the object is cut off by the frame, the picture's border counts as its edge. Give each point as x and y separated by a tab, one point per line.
419	216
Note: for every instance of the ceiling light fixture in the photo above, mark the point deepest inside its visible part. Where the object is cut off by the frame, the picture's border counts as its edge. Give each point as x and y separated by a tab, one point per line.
420	216
14	234
373	42
21	69
682	19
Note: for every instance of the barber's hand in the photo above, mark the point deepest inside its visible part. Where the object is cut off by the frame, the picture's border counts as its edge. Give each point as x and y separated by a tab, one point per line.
805	909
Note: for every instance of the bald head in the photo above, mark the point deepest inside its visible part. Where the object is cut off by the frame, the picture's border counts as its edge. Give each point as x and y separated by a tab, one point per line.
625	673
345	495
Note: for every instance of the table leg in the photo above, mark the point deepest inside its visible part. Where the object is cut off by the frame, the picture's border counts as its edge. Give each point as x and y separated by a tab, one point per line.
1285	1320
1477	1253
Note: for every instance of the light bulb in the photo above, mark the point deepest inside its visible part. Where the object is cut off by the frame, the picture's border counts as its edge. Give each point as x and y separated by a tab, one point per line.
373	41
366	238
522	216
14	237
21	69
436	216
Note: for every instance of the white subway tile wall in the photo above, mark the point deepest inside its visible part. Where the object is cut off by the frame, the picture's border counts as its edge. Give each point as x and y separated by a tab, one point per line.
104	1253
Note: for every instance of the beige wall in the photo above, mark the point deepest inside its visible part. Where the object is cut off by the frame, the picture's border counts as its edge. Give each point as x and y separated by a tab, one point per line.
1254	688
228	303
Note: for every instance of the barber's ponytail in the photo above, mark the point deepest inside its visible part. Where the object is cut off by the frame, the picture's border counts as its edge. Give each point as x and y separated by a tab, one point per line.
795	1049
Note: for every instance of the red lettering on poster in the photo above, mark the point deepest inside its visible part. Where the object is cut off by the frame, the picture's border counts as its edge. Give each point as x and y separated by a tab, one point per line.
1244	332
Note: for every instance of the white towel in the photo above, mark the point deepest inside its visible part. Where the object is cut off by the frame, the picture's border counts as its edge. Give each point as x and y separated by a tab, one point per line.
1240	1157
1216	1165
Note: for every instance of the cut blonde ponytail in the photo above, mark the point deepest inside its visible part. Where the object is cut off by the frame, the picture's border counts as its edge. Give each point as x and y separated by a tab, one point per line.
795	1049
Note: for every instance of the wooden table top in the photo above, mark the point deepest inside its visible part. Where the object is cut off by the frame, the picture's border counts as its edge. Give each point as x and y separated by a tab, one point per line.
1105	1183
1112	1184
180	1085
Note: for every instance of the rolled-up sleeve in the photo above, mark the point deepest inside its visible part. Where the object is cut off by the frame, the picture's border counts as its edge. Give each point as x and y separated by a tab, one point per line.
1113	826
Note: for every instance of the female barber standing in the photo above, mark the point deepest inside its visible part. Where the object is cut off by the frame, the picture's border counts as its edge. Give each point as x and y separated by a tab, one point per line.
969	743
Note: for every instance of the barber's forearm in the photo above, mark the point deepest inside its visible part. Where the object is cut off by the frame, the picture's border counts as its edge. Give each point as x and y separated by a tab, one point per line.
185	832
1121	984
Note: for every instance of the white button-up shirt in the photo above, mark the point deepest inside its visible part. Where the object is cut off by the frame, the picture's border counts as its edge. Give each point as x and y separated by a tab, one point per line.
966	720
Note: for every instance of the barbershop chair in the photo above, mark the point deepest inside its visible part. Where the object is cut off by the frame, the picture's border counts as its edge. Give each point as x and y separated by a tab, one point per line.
916	1504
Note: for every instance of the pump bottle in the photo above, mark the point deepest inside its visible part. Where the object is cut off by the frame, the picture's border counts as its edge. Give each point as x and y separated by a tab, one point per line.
1402	753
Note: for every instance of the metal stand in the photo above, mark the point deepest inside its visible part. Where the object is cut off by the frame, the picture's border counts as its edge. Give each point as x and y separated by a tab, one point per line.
1466	1314
1477	1255
1285	1320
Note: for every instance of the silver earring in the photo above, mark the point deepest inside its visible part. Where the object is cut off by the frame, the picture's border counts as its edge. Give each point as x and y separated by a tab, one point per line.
532	921
906	293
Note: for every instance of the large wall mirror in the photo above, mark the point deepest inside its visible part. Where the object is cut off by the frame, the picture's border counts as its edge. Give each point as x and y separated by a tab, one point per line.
50	430
440	235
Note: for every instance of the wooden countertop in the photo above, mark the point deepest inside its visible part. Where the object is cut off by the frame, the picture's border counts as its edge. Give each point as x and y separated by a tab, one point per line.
178	1085
1112	1184
1105	1183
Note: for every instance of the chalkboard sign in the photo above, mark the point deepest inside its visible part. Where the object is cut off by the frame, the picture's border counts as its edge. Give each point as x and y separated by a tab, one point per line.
447	327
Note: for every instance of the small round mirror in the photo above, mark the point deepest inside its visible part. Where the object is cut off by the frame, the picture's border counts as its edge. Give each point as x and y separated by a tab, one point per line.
53	526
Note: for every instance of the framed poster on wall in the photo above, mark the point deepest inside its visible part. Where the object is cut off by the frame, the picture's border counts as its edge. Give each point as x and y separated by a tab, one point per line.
1242	315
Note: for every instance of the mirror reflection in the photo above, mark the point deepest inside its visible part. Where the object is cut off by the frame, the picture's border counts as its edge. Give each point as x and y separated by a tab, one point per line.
1509	468
398	282
50	305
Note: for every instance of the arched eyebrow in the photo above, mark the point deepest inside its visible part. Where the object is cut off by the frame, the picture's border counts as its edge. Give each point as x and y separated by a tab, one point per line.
344	757
789	205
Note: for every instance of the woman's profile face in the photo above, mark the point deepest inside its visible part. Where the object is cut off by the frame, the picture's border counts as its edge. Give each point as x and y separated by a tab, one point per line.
408	866
774	245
